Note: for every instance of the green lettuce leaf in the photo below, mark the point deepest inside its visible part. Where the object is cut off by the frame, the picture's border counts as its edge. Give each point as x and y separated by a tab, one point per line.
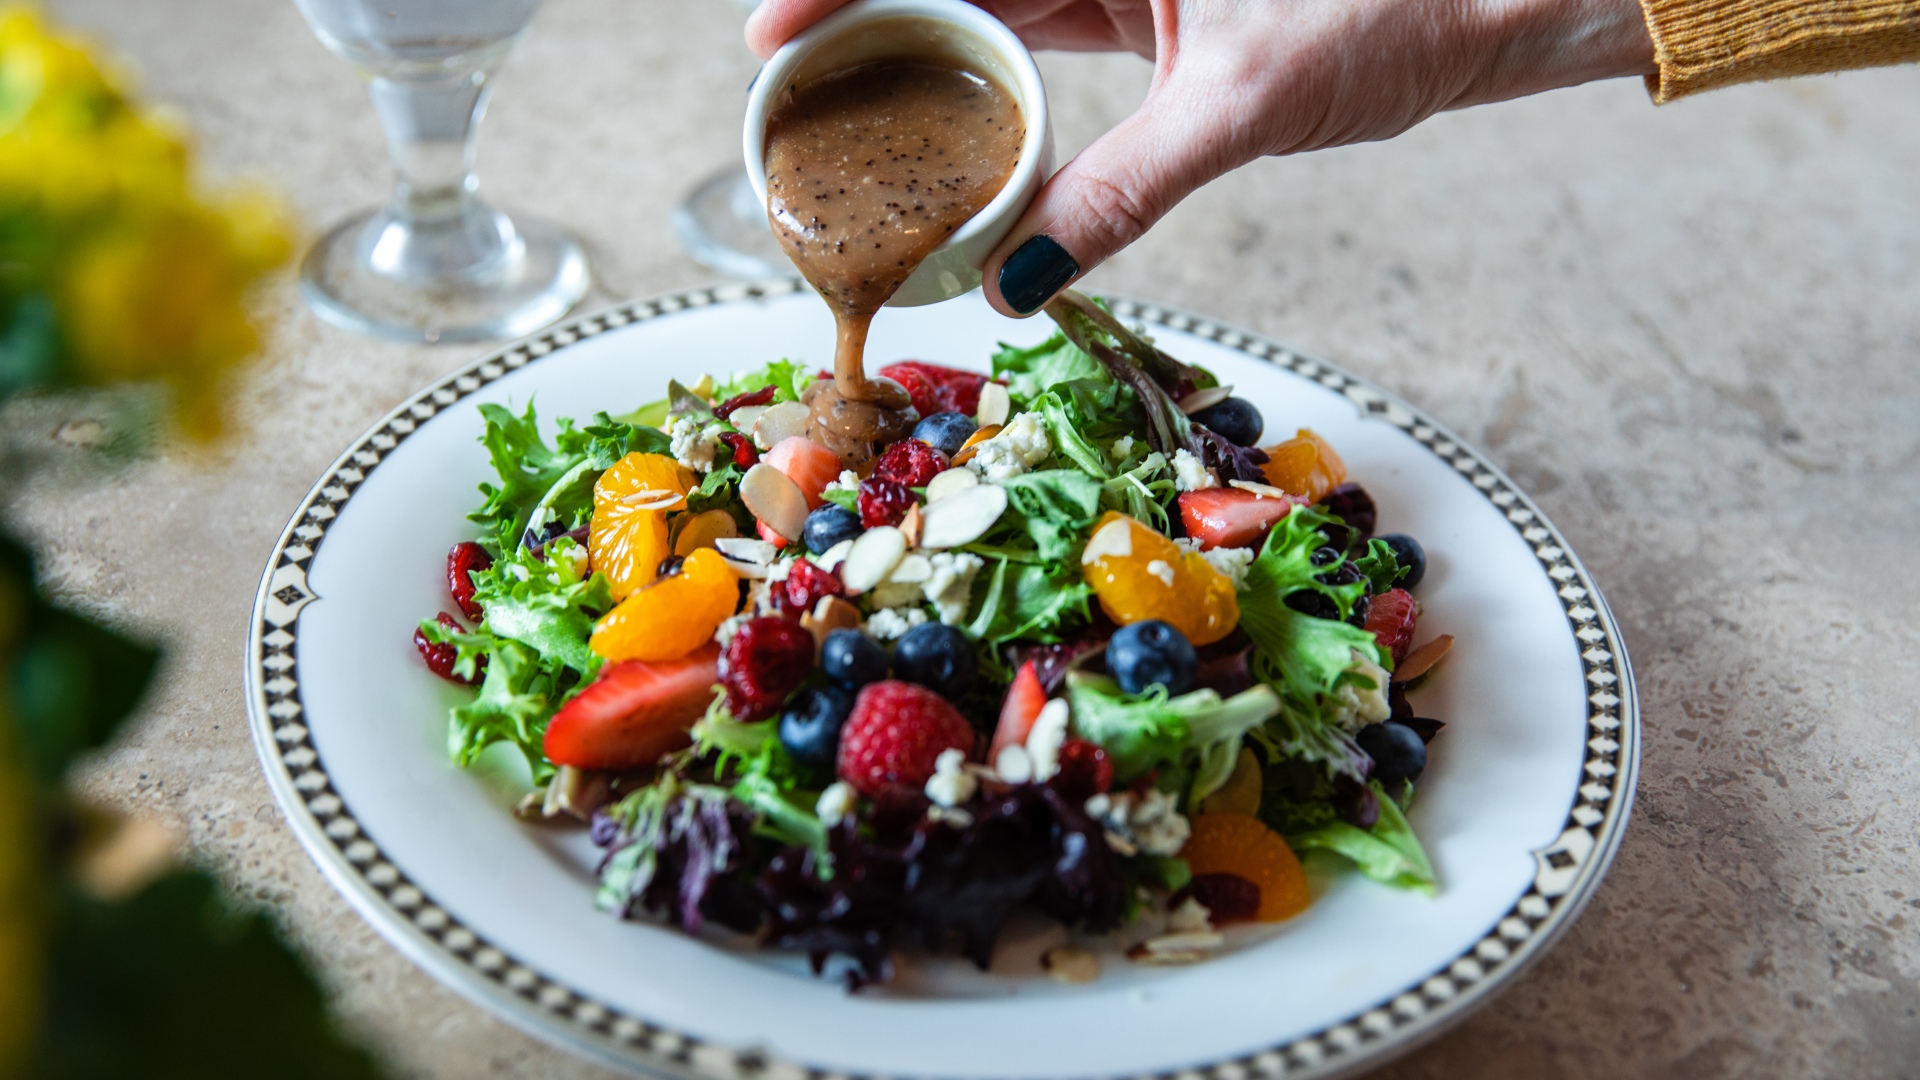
1388	853
1028	600
1032	371
545	604
1379	566
1303	657
788	379
1055	507
1141	732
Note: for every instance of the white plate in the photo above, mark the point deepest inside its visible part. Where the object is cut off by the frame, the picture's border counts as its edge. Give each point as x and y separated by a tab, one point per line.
1521	807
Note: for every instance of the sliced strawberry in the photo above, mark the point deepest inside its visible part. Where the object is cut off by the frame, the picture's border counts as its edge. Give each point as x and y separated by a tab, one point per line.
634	712
766	533
1232	517
1390	618
1024	700
937	389
807	464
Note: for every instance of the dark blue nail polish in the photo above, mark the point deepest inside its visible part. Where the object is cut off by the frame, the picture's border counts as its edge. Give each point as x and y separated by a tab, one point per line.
1034	272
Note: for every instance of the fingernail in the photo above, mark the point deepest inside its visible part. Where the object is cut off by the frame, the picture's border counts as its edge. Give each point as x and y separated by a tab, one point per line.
1034	272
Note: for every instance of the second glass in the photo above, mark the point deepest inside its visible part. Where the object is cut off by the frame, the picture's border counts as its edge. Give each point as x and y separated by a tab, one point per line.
436	263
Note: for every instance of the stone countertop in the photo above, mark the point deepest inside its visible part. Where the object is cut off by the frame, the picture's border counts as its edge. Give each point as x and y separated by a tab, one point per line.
1692	333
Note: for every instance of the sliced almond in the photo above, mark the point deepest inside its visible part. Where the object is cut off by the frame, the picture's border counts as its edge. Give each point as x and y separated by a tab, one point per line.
1014	764
830	614
963	518
1205	399
1114	538
972	445
650	499
951	482
995	405
782	421
744	417
775	500
873	556
748	549
1189	947
911	570
834	555
910	525
1265	491
1071	964
1421	660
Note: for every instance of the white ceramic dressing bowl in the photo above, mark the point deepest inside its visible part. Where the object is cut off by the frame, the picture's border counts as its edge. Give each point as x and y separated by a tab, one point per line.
949	31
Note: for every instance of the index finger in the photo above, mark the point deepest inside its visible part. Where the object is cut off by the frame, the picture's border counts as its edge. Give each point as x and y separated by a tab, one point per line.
774	21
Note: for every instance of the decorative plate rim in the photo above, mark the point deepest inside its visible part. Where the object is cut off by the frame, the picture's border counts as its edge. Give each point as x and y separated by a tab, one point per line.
1567	871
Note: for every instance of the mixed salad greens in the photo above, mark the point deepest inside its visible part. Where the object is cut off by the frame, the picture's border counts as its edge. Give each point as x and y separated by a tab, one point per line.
1078	643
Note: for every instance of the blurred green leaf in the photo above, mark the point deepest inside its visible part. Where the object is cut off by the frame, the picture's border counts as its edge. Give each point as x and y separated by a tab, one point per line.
174	984
29	345
71	681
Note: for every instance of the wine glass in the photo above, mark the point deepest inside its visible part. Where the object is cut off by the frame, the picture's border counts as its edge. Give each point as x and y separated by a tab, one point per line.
435	263
723	224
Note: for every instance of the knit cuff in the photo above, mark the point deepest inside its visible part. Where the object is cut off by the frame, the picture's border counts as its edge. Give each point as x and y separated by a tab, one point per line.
1702	44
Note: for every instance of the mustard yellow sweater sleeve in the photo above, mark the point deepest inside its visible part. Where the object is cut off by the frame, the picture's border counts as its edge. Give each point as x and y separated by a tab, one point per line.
1701	44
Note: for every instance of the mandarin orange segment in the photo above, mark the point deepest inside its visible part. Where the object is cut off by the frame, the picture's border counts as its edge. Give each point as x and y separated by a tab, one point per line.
1237	844
628	535
1305	465
673	616
1147	577
702	529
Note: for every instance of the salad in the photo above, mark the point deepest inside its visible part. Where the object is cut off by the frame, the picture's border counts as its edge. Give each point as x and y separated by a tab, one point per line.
1077	643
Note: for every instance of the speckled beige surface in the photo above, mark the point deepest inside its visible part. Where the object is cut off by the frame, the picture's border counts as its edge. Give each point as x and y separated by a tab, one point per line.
1693	333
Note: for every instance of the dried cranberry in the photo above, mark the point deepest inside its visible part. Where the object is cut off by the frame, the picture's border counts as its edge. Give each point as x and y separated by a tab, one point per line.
462	561
1085	771
725	409
440	657
910	462
766	660
884	502
744	455
1228	898
804	587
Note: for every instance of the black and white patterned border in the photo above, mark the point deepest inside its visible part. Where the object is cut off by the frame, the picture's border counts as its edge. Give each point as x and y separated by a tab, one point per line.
1566	870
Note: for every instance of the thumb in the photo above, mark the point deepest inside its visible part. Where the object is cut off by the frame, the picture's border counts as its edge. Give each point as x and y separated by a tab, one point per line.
1104	199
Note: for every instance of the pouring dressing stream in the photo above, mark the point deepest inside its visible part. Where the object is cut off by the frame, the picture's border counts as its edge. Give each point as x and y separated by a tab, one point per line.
869	169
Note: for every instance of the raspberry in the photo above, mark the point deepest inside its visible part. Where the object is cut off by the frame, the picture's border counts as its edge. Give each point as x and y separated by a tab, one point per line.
1390	618
1085	771
440	658
744	455
895	735
462	561
766	659
910	462
762	396
805	585
884	502
937	389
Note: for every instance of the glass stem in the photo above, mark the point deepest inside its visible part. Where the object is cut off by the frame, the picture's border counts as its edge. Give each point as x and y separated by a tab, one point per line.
432	128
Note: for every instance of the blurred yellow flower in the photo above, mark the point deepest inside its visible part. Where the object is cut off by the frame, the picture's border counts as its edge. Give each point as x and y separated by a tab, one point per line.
148	276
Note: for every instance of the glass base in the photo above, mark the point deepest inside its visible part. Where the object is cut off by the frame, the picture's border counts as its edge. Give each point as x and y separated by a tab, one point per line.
376	275
723	226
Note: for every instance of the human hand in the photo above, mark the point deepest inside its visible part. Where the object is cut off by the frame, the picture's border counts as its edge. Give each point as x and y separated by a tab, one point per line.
1234	80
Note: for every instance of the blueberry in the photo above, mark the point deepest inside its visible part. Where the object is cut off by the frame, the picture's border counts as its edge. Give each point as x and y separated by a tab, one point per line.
936	656
1235	420
1408	553
852	659
1396	749
1151	653
827	526
670	565
945	431
810	726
